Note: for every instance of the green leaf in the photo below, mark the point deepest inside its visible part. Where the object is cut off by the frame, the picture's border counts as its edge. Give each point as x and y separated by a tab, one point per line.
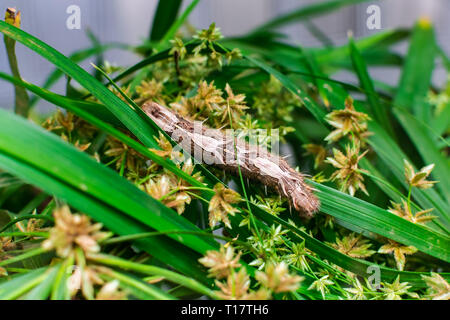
376	41
60	290
170	34
153	270
421	135
22	100
166	13
411	96
22	256
308	12
42	290
392	157
377	110
416	77
24	141
20	284
87	185
120	109
77	56
374	219
147	61
139	288
357	266
309	103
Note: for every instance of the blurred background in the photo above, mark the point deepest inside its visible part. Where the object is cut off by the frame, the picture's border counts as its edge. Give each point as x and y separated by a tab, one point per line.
129	22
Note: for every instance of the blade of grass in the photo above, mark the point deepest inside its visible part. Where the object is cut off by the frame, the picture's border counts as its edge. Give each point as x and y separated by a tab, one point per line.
165	14
382	222
164	249
139	288
307	12
77	56
170	34
60	290
23	256
118	107
87	175
411	96
21	283
377	110
42	290
428	149
357	266
153	270
418	68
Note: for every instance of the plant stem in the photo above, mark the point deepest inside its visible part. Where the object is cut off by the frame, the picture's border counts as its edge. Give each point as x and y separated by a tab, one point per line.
182	188
150	290
23	256
137	236
409	197
21	96
153	270
20	234
242	179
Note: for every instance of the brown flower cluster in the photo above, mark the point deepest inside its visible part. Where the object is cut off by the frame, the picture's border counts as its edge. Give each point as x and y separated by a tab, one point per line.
348	121
220	205
349	175
210	105
72	231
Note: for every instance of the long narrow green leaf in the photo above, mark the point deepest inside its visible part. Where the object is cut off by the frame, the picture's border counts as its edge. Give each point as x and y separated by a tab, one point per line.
377	110
308	12
309	103
324	251
170	34
378	40
76	57
165	14
416	77
85	174
120	109
428	149
162	248
21	283
382	222
147	61
153	270
92	113
139	288
411	95
42	290
60	289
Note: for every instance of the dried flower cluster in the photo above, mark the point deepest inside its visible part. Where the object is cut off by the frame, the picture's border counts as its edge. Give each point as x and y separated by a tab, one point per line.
348	121
73	231
348	173
352	124
418	179
220	205
354	246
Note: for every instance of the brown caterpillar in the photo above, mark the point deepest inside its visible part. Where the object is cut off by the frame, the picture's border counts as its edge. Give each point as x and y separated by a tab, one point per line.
212	146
